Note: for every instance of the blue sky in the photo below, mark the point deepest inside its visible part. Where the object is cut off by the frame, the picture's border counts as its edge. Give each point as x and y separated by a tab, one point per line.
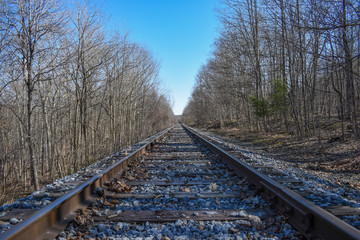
179	33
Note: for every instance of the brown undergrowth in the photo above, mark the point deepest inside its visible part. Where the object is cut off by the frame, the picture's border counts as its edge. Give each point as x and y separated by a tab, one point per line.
324	153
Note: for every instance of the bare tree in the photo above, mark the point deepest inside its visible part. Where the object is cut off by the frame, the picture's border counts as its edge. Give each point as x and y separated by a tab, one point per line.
34	26
70	93
285	60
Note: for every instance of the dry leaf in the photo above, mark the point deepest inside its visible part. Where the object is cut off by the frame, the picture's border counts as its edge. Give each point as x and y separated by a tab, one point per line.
82	219
201	226
106	203
119	186
256	222
158	196
213	187
130	178
185	189
114	215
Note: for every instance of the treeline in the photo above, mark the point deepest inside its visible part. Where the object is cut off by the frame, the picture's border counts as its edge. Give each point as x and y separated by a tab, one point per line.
71	92
282	65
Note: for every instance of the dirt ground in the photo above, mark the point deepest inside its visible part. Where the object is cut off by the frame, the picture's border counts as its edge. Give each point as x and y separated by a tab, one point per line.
331	158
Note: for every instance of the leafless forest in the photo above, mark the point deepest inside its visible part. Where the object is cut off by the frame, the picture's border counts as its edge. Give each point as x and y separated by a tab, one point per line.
71	91
282	65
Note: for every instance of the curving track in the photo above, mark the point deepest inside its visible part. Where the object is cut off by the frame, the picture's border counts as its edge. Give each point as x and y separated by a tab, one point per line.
181	190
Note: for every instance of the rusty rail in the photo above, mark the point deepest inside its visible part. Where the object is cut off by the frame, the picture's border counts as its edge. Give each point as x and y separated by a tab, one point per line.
48	221
309	219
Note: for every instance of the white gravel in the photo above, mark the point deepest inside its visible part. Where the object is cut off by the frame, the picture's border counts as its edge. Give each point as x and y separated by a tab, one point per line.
315	188
59	187
258	227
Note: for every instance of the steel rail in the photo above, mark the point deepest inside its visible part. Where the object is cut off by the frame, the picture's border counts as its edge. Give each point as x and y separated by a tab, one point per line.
50	220
311	220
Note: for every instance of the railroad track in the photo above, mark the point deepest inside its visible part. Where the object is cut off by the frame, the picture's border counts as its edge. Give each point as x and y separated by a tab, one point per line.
339	199
185	187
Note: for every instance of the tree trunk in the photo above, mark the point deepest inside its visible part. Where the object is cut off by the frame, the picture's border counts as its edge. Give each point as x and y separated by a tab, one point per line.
29	139
349	83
